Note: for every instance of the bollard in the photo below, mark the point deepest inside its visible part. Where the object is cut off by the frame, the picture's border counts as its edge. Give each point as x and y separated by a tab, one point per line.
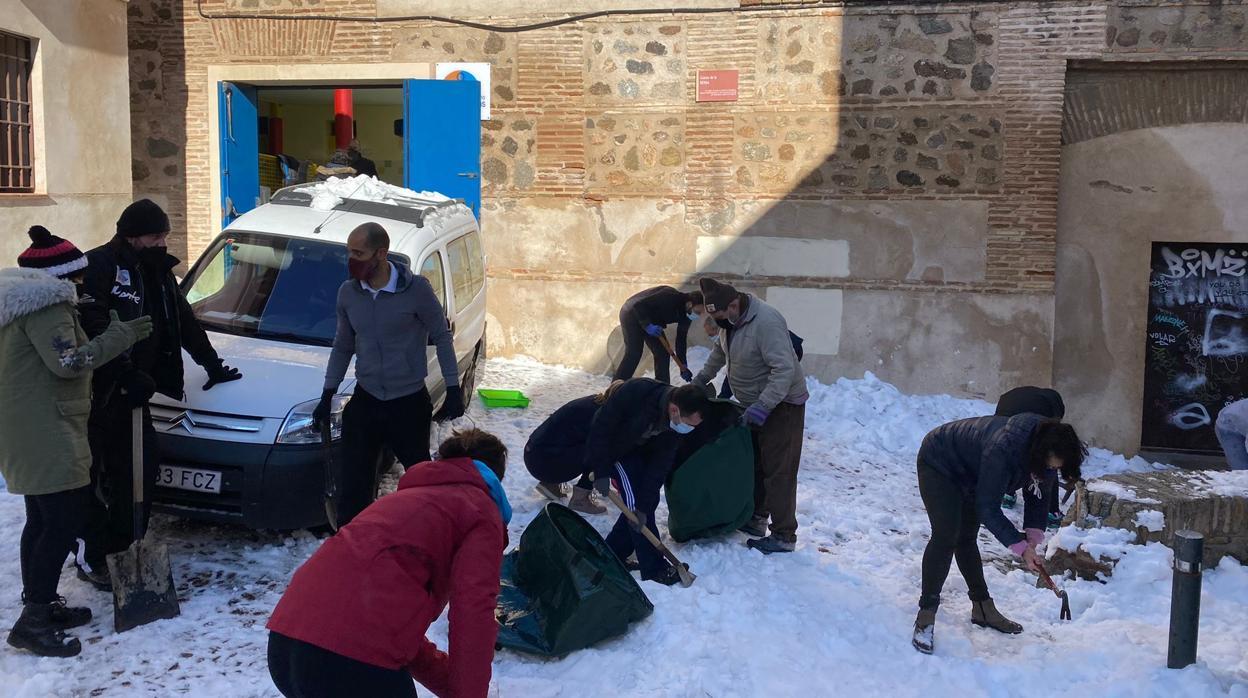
1189	548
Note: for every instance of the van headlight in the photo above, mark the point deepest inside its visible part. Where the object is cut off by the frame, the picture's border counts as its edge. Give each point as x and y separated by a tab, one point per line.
298	427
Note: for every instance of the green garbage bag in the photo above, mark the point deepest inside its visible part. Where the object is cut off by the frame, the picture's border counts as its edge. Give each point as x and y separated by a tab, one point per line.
712	492
563	589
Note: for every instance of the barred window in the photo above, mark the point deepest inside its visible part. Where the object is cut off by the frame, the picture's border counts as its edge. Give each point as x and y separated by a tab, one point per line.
17	172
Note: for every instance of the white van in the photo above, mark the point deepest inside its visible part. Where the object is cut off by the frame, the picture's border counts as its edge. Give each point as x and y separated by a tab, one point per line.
246	452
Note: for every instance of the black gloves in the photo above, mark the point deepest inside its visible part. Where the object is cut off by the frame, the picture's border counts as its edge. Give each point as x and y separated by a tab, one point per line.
138	387
221	374
602	486
321	413
452	406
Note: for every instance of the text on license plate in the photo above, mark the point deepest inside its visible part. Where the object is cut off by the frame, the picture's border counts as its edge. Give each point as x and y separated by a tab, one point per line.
189	479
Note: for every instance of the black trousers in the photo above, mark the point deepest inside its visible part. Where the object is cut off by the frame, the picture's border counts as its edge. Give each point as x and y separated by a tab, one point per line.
302	670
561	464
955	528
110	518
635	340
370	425
53	524
639	477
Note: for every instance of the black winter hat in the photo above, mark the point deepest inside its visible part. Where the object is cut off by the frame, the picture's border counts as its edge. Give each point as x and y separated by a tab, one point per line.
142	217
56	256
717	294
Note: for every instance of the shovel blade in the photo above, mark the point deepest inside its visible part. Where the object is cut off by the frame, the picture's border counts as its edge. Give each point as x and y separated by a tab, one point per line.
686	577
143	589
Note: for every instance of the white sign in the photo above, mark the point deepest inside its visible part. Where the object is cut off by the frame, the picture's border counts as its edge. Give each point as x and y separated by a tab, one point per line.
478	72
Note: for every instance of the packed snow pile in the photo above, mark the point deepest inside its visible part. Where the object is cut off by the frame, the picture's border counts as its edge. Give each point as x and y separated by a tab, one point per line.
837	612
330	193
1151	519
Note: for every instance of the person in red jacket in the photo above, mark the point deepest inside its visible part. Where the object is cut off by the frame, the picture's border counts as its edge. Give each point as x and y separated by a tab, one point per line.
353	620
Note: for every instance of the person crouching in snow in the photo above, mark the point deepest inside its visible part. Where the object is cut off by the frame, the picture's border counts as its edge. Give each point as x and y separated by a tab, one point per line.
964	469
353	620
633	438
46	364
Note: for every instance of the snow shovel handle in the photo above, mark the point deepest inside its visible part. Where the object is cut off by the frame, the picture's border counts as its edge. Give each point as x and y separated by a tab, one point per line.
137	469
668	346
686	577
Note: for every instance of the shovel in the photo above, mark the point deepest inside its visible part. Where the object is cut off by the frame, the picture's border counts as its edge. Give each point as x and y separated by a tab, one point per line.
686	577
331	483
1048	582
143	588
668	346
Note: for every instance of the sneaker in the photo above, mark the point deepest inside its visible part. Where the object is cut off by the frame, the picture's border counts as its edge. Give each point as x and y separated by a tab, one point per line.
35	632
96	578
924	638
771	544
554	491
584	502
1008	501
1055	520
756	527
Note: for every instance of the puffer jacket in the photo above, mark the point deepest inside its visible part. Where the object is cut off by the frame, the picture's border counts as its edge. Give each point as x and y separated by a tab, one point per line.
987	458
762	366
633	415
45	377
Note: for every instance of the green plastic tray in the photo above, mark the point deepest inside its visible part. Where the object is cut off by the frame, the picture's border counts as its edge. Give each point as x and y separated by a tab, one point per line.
503	398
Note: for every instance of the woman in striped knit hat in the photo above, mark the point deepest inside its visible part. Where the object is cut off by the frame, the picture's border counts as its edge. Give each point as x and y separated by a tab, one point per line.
45	359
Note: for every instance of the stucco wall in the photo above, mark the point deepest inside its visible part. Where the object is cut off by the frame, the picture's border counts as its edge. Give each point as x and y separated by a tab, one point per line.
1119	194
82	122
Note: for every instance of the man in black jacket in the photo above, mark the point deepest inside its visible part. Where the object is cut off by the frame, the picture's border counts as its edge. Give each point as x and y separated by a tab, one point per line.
633	438
132	275
642	319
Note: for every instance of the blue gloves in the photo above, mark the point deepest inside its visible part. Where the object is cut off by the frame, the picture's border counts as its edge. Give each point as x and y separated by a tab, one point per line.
755	416
686	375
654	330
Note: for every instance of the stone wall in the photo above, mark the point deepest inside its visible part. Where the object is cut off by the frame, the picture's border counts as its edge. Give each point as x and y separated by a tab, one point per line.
889	174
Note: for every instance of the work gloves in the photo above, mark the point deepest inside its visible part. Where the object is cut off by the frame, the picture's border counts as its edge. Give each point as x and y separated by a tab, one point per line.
654	330
136	330
138	387
320	414
452	406
754	416
220	373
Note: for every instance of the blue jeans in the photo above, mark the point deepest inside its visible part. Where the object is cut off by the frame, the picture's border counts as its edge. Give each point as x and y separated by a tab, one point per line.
1233	445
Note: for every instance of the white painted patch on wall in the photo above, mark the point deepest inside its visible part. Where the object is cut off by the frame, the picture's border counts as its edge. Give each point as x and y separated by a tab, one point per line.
814	314
773	256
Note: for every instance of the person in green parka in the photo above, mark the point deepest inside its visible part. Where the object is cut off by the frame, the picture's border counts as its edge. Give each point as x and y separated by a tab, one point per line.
45	359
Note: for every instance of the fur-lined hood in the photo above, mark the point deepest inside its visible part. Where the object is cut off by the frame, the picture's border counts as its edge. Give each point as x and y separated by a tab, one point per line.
27	291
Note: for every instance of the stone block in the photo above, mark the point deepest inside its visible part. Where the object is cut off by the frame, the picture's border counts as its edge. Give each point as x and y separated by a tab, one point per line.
508	154
635	62
1177	29
635	153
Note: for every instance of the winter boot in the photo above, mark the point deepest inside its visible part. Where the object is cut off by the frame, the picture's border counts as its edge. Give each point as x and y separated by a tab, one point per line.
755	527
985	614
554	491
34	631
924	639
97	578
64	617
771	544
583	501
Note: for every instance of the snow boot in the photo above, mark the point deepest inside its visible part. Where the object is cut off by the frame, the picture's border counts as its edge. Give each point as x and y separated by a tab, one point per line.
924	639
63	617
583	501
985	615
755	527
554	491
771	544
35	632
96	578
1008	501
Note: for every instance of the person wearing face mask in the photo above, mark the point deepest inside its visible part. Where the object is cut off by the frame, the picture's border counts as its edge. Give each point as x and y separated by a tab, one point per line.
132	275
765	375
633	438
642	319
386	317
46	364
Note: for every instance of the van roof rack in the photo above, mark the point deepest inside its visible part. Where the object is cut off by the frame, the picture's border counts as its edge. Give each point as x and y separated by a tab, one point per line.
408	209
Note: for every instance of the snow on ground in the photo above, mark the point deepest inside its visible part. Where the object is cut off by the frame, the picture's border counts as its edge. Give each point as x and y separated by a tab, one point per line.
832	618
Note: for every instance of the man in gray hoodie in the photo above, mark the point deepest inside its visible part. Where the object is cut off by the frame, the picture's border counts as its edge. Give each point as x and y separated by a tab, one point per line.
766	377
386	317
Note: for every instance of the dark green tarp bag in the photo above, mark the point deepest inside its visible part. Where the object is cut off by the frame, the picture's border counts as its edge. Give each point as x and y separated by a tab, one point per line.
563	589
712	492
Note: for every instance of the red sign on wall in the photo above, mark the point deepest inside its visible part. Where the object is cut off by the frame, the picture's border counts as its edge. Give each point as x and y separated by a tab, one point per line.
717	86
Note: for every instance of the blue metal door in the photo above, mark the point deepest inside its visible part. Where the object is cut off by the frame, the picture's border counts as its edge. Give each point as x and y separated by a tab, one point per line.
442	138
240	150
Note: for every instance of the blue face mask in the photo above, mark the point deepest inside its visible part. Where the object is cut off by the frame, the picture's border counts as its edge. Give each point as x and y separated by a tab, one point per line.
693	317
680	428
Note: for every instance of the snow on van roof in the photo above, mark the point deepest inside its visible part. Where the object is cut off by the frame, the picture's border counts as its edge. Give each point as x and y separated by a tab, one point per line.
330	193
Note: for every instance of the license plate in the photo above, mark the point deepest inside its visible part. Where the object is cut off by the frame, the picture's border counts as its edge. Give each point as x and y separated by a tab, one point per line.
189	479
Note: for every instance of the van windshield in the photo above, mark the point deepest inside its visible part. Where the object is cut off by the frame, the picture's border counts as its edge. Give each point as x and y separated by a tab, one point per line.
269	286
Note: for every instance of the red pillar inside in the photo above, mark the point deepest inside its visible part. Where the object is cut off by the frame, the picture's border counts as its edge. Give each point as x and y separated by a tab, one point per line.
275	135
344	118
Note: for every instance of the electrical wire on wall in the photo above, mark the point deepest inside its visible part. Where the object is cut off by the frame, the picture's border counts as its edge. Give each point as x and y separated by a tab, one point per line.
546	24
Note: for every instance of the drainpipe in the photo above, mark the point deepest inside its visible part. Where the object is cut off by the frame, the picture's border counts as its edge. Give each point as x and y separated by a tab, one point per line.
344	118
